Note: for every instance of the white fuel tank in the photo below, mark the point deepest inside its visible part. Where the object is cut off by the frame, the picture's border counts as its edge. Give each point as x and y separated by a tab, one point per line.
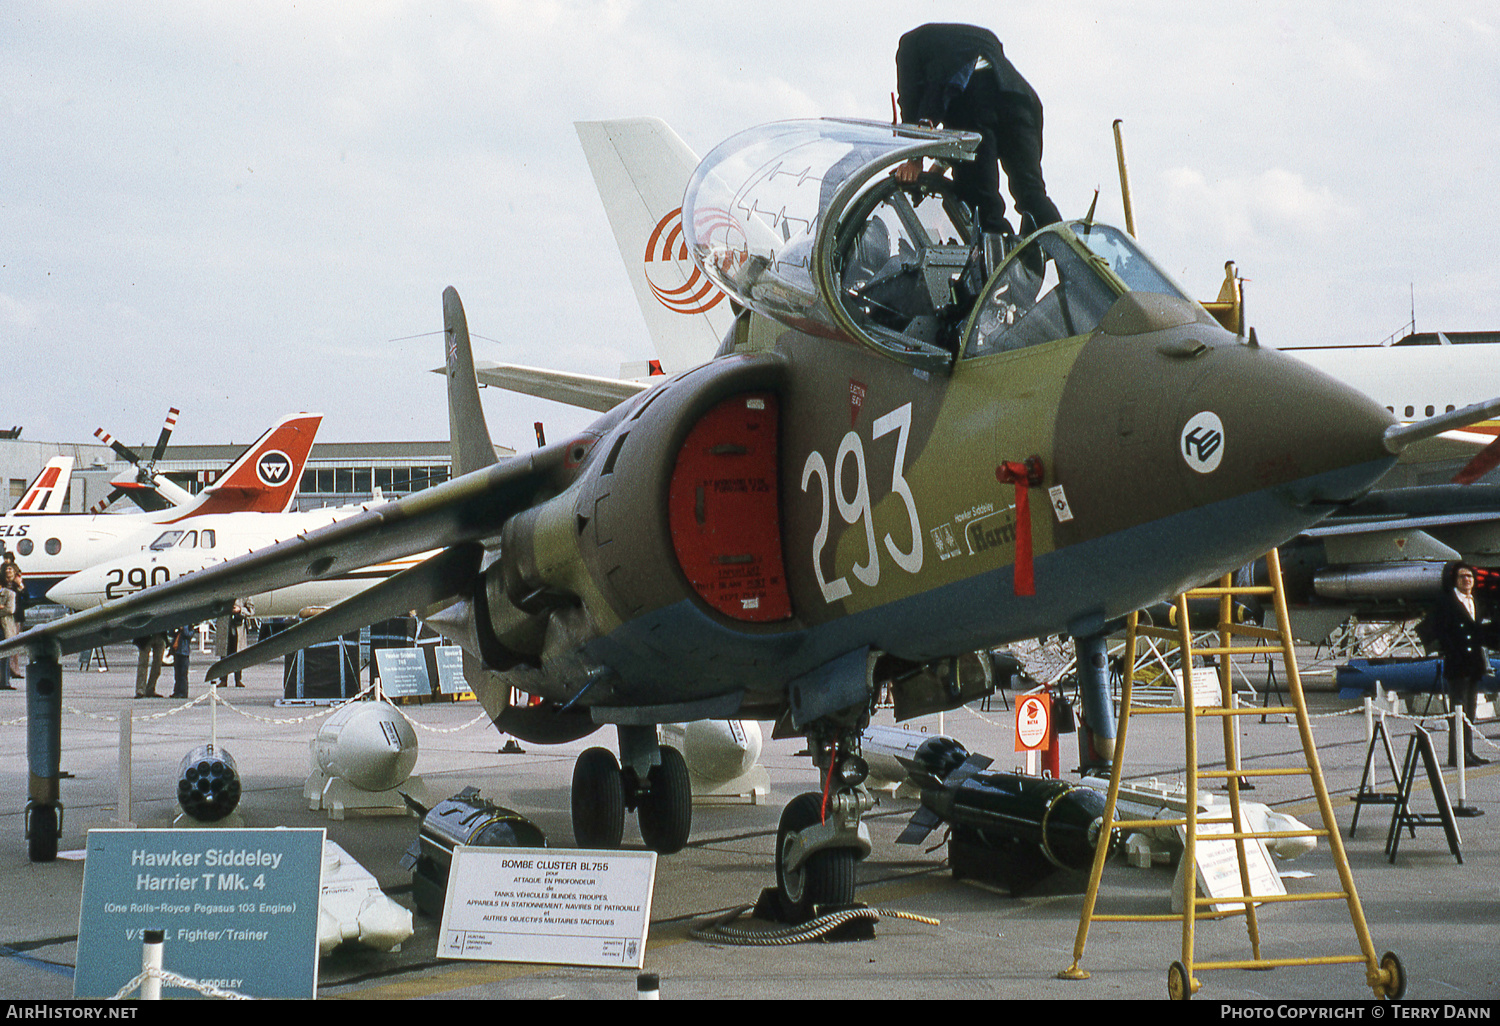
368	744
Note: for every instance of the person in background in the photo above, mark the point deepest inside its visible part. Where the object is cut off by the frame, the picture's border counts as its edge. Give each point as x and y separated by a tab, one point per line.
1463	623
151	650
181	648
10	620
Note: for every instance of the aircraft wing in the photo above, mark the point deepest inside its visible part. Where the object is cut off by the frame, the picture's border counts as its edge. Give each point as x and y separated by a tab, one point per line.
582	390
466	509
1418	508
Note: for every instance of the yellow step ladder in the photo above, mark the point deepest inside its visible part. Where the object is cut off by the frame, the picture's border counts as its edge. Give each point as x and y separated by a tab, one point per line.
1384	974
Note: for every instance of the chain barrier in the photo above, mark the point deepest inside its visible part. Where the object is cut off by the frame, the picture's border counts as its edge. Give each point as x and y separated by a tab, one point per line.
1445	718
482	717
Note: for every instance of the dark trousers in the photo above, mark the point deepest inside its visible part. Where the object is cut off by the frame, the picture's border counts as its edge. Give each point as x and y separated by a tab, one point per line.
1463	693
1010	137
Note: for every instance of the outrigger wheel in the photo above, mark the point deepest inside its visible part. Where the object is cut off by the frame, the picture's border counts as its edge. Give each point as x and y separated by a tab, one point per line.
826	878
1179	983
1395	987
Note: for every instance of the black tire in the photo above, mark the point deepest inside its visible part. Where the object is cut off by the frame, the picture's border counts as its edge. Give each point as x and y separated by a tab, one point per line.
1396	989
1179	986
41	842
827	878
666	806
598	800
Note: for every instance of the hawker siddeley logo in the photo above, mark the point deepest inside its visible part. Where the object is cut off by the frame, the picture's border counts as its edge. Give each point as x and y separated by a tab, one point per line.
1202	442
273	468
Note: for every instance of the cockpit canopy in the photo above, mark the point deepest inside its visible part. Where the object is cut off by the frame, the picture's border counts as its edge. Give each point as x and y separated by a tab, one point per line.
801	221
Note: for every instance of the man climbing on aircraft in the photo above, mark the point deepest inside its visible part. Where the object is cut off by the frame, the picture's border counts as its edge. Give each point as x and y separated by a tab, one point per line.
957	76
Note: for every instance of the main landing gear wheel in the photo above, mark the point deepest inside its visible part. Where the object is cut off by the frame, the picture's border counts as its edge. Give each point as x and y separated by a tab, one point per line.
666	804
41	833
598	800
826	878
1395	990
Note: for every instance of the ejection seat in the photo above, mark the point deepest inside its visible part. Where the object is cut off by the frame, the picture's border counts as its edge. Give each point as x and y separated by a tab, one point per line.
913	261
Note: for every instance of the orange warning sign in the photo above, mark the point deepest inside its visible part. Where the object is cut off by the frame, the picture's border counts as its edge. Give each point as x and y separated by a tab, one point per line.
1033	718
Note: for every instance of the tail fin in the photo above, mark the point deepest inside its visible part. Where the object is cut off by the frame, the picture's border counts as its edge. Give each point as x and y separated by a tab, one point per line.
50	489
266	476
641	169
468	434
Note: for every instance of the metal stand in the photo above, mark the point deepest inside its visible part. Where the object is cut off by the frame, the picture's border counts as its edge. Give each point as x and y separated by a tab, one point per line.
1383	974
1420	746
1367	795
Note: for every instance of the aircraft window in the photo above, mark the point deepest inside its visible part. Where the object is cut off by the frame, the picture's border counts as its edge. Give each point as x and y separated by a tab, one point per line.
166	540
1045	291
1410	411
209	539
189	541
1132	266
53	546
1450	408
1429	411
24	546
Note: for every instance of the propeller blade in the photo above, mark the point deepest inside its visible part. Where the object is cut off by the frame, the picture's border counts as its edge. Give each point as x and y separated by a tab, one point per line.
124	452
166	433
102	504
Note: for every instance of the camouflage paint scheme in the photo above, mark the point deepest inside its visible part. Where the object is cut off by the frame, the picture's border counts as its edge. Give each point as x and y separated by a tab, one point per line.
890	531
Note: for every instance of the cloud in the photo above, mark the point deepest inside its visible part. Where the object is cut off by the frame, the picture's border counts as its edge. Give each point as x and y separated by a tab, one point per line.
16	314
1274	203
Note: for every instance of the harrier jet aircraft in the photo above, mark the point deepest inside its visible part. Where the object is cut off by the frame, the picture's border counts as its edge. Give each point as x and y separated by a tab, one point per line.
914	446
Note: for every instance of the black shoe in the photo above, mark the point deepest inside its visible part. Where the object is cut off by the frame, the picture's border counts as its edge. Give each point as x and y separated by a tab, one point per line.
1475	760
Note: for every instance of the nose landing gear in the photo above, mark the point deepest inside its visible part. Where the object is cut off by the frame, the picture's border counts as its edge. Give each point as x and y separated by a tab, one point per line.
821	837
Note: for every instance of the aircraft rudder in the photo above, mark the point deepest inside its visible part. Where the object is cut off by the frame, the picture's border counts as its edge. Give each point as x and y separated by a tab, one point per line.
641	170
267	475
468	433
49	490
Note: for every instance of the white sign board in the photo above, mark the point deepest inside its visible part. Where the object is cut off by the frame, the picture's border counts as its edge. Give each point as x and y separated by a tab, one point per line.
1207	693
450	670
555	906
1218	866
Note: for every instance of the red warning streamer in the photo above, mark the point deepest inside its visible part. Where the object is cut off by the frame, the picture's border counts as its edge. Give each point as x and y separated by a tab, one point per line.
1022	475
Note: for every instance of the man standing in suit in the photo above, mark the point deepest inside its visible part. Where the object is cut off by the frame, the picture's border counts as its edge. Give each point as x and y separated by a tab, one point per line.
957	76
1463	623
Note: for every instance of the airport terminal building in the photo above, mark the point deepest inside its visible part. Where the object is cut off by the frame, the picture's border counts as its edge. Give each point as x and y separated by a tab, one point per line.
337	473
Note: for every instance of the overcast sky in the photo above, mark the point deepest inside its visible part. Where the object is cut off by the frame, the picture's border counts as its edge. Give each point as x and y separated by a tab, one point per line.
246	209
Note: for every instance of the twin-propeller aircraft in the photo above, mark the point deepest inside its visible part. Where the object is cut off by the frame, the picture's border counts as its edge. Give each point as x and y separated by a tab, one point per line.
912	446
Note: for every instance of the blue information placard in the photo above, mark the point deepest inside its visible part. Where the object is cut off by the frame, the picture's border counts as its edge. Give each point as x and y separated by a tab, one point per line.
450	670
239	909
403	672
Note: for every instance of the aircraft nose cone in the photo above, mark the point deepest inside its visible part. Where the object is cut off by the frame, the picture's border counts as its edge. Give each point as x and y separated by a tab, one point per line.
73	593
1187	420
1284	426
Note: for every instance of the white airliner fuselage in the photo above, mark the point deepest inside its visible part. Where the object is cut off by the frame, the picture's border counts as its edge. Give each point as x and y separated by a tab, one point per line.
191	545
1415	381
